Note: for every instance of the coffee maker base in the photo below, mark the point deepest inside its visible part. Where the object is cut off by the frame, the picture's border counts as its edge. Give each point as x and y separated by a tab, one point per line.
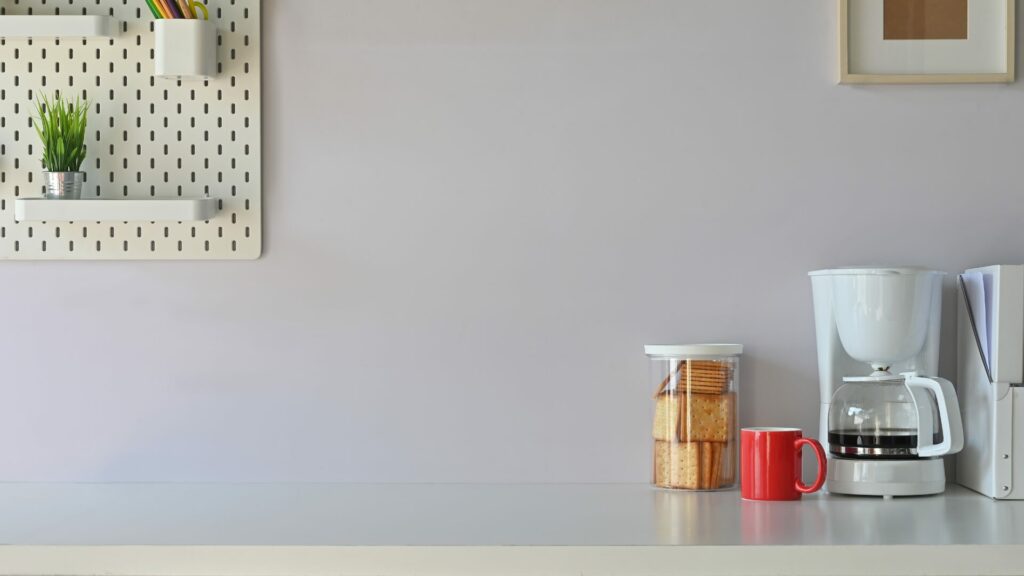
886	477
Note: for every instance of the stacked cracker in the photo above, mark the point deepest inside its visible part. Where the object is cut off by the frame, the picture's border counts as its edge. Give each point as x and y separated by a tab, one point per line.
693	427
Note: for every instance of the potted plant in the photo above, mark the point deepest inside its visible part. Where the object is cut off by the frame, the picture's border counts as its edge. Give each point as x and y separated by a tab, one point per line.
61	126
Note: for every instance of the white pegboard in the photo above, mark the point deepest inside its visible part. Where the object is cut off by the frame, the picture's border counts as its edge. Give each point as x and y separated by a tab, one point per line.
148	137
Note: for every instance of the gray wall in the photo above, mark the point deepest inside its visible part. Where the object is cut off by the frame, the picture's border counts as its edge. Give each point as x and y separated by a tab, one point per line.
478	212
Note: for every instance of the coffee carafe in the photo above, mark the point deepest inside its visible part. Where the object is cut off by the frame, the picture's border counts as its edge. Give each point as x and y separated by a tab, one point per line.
890	417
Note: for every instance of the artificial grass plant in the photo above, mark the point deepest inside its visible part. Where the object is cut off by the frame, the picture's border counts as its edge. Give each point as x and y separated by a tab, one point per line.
61	126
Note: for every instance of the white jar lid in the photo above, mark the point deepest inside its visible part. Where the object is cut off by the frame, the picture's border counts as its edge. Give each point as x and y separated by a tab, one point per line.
693	350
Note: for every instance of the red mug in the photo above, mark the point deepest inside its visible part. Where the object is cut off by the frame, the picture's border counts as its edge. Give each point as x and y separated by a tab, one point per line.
770	464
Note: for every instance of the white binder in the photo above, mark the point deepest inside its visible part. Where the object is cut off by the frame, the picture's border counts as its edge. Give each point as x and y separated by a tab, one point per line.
990	359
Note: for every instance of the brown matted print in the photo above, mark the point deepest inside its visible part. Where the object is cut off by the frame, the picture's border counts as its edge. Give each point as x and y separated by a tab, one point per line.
925	20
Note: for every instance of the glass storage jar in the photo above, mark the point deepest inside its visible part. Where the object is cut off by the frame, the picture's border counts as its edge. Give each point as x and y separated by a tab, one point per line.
695	415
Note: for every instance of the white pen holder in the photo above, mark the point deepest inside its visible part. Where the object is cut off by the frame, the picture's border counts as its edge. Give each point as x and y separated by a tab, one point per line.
185	49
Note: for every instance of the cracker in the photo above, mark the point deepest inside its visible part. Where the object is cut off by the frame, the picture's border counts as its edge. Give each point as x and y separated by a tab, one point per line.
700	378
699	369
706	373
699	386
707	462
666	417
728	472
699	375
717	449
677	464
704	388
709	364
706	417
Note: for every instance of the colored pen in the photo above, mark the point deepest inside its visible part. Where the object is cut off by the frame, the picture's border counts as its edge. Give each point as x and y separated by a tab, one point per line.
172	6
185	10
164	10
152	8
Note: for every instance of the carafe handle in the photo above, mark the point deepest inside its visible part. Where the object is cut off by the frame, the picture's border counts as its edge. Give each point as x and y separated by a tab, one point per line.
949	417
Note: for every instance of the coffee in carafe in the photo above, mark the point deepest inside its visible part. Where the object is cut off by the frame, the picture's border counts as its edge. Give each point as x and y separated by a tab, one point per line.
898	443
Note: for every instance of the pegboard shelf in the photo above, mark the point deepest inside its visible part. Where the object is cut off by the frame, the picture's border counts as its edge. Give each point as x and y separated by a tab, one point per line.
58	27
100	210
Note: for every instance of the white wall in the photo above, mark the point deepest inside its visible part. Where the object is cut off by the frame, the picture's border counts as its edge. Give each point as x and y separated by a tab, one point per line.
478	212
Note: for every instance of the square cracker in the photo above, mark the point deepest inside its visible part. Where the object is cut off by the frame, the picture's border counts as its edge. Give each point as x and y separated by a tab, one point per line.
706	417
677	464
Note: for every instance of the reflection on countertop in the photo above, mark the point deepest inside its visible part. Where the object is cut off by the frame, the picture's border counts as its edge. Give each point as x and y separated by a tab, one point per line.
957	517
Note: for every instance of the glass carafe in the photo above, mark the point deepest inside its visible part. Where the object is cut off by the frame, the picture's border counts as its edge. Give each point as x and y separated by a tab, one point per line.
894	417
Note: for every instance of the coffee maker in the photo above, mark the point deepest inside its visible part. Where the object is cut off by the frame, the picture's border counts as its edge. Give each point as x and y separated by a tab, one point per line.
887	425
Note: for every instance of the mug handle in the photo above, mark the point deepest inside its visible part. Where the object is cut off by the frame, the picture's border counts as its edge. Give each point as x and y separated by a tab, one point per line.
819	452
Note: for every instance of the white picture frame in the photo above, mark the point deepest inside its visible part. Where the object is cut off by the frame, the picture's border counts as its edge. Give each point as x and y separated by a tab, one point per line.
985	59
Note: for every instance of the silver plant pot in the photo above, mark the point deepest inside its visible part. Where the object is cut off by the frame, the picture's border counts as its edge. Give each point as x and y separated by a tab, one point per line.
64	185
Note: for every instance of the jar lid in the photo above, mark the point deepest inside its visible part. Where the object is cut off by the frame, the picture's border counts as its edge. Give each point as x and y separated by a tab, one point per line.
693	350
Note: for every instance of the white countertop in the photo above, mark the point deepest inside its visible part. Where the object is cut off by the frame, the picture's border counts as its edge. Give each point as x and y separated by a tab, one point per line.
592	529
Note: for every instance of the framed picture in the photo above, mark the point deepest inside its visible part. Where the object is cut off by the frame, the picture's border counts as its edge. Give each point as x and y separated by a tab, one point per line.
926	41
